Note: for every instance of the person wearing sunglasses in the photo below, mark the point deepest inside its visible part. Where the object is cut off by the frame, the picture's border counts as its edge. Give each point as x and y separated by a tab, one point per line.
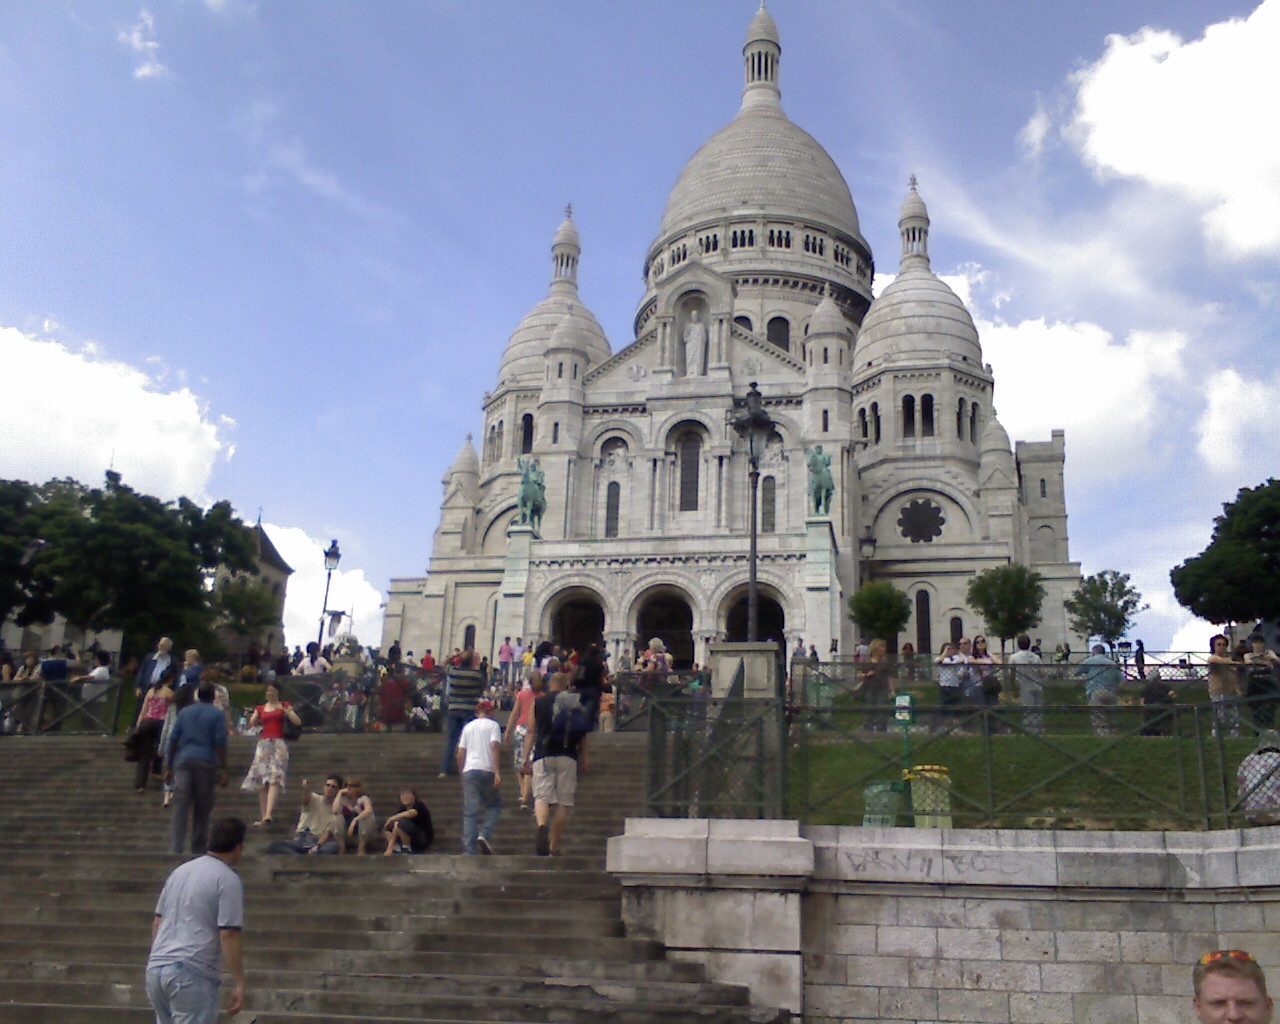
1230	989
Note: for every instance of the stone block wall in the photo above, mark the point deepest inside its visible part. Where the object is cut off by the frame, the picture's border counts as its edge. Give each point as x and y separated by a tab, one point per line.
967	926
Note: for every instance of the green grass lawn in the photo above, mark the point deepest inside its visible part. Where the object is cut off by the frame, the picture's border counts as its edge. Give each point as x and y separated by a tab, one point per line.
1069	780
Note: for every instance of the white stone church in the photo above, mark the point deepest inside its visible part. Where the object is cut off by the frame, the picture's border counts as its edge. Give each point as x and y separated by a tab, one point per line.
758	272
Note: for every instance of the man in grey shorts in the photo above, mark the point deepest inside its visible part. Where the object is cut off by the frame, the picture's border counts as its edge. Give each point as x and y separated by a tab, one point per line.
198	921
553	751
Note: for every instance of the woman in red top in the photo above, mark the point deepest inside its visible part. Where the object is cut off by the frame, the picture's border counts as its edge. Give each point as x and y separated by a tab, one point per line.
148	726
518	723
271	756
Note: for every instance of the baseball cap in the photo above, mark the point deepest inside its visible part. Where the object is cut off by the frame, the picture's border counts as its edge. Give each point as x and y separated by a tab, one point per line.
484	704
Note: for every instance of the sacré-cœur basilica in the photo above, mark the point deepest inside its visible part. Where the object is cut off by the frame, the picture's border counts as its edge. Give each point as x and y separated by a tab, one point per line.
758	273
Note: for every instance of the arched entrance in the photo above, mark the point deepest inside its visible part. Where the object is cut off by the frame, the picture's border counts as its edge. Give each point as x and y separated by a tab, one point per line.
771	620
578	620
665	612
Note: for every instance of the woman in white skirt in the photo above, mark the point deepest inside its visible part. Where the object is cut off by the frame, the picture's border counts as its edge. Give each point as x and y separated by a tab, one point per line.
271	756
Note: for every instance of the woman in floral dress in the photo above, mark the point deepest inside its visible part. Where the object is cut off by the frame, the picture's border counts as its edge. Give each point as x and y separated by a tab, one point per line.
271	757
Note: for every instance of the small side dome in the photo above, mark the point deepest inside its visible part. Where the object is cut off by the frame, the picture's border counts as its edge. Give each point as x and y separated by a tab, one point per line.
827	319
917	315
995	439
524	358
465	463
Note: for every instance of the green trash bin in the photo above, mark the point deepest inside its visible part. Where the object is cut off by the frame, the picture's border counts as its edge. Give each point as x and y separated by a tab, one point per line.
930	794
881	802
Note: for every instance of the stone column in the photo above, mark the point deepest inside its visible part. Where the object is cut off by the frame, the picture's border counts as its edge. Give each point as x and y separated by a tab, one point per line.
821	584
515	583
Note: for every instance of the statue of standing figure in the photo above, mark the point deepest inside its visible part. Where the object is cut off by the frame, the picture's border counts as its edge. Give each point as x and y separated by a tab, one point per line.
695	345
533	493
821	484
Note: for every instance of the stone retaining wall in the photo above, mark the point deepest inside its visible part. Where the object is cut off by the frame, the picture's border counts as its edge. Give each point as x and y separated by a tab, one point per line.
916	925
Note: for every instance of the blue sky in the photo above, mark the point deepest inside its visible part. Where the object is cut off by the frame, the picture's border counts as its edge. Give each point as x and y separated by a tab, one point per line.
273	251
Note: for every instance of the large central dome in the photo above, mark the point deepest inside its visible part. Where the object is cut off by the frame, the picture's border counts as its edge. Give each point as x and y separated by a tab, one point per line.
760	161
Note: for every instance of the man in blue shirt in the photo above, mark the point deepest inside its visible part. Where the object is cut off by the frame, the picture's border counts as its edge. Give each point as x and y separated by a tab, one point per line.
197	759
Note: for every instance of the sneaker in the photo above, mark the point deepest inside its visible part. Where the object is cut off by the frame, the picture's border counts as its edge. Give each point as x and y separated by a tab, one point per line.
543	843
484	846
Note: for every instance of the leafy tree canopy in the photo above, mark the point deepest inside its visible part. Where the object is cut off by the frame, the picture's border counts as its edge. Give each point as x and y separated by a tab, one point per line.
881	611
1104	606
246	605
1237	577
113	558
1008	597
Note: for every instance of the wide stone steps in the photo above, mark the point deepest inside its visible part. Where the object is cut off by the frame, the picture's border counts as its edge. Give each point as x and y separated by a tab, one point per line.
442	938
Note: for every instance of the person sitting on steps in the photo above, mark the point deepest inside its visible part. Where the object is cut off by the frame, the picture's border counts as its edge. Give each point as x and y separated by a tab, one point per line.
356	808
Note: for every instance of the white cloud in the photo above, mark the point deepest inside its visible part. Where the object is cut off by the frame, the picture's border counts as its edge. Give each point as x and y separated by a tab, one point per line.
1193	635
1035	131
89	413
285	157
1118	390
140	38
1192	117
351	592
1237	428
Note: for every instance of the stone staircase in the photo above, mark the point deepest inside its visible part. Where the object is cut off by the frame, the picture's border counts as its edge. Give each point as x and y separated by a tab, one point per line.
440	937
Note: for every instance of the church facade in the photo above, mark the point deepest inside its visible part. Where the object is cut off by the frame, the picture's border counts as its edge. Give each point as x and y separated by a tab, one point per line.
758	273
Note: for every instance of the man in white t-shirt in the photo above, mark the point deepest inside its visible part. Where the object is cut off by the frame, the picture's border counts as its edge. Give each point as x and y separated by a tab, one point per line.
479	763
953	672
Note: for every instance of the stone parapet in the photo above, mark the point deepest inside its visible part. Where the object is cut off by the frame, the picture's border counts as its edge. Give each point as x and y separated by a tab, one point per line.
994	926
723	893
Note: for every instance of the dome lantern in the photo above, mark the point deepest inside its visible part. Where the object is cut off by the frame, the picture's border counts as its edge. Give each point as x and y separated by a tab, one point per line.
761	55
913	226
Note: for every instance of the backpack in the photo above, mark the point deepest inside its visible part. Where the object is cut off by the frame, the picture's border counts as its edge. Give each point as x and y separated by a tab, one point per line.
569	726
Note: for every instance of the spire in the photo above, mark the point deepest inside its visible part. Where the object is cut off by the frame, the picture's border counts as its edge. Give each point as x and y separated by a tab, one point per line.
565	251
761	55
913	225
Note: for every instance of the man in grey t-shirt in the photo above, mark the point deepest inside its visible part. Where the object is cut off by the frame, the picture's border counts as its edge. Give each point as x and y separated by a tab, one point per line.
198	920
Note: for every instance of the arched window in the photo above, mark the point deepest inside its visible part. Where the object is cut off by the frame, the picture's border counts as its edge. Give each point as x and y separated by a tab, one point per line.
780	333
499	442
526	433
960	419
1044	489
924	628
469	638
973	423
744	322
555	433
825	360
957	629
875	422
926	415
690	455
826	420
862	423
612	499
768	505
908	416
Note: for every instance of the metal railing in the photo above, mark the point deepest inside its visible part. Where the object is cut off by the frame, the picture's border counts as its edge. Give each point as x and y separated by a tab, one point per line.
35	707
1143	758
634	692
335	702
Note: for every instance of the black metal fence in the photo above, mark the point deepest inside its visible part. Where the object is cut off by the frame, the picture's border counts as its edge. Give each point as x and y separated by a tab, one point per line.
1031	755
38	706
633	692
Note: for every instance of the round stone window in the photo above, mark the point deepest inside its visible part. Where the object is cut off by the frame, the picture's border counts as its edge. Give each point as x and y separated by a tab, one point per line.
920	520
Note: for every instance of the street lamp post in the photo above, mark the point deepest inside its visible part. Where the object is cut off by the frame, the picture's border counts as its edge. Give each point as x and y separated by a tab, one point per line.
755	427
331	559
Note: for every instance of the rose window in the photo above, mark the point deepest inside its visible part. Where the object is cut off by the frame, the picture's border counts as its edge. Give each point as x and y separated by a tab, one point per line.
921	520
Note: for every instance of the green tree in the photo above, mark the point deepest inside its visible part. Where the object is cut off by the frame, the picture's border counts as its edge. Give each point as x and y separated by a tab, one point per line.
117	559
1237	577
1008	597
246	606
881	611
19	543
1104	606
